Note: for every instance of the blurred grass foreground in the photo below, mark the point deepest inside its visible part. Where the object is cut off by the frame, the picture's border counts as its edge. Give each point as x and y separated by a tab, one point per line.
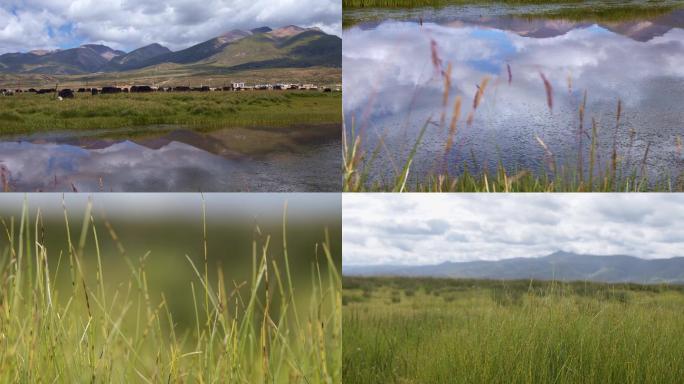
77	304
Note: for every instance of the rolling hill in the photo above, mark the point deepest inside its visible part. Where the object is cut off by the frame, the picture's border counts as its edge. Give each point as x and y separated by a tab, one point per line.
559	266
84	59
287	47
133	59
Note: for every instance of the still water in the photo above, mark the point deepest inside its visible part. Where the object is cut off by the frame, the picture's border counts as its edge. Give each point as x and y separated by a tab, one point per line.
165	159
394	64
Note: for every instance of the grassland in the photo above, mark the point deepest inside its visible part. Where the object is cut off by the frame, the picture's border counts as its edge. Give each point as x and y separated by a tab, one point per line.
614	14
404	330
172	75
438	3
568	10
95	329
28	113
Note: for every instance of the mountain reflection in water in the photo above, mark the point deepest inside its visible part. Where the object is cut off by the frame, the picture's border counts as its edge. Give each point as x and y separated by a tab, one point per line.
175	160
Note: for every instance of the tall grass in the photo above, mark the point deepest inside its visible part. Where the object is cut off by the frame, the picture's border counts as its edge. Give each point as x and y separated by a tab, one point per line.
89	331
27	113
404	330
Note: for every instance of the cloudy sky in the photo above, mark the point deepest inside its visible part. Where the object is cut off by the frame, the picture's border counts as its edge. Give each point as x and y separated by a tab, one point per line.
417	229
128	24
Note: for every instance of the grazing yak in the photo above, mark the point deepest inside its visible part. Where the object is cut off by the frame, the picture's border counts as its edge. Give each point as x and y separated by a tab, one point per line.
93	91
141	89
66	94
107	90
181	89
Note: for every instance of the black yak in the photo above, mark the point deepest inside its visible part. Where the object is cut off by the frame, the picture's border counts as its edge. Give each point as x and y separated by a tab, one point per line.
106	90
66	94
141	89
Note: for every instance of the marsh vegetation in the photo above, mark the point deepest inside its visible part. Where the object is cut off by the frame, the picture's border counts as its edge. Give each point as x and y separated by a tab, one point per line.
30	113
423	330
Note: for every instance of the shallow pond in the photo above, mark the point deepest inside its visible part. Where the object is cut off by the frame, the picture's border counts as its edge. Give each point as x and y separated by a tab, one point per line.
162	159
394	65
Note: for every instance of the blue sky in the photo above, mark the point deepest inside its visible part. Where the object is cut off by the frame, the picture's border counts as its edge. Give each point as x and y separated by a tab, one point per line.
129	24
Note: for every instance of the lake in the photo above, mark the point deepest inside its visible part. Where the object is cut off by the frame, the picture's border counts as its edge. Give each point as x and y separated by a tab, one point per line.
395	64
167	158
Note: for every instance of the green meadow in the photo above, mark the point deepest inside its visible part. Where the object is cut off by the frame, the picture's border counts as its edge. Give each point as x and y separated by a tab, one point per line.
619	7
423	330
436	3
78	304
29	113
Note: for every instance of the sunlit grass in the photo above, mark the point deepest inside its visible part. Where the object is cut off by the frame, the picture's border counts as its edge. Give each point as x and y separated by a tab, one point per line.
253	331
26	113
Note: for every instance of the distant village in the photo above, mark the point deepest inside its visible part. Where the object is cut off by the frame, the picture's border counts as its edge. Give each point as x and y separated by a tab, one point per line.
66	93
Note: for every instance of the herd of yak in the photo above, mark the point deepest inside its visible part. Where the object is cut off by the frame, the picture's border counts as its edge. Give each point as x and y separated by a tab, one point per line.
68	93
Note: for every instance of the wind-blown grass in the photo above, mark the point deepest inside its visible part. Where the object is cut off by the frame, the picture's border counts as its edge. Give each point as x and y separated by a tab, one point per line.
405	330
27	113
87	331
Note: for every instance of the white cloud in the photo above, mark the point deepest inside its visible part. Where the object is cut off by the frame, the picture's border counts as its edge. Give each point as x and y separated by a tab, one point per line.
377	227
130	24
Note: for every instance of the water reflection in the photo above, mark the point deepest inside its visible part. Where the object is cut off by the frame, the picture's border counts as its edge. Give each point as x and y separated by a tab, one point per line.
392	86
175	160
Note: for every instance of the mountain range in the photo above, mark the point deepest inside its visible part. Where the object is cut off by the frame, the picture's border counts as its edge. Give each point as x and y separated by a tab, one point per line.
562	266
287	47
